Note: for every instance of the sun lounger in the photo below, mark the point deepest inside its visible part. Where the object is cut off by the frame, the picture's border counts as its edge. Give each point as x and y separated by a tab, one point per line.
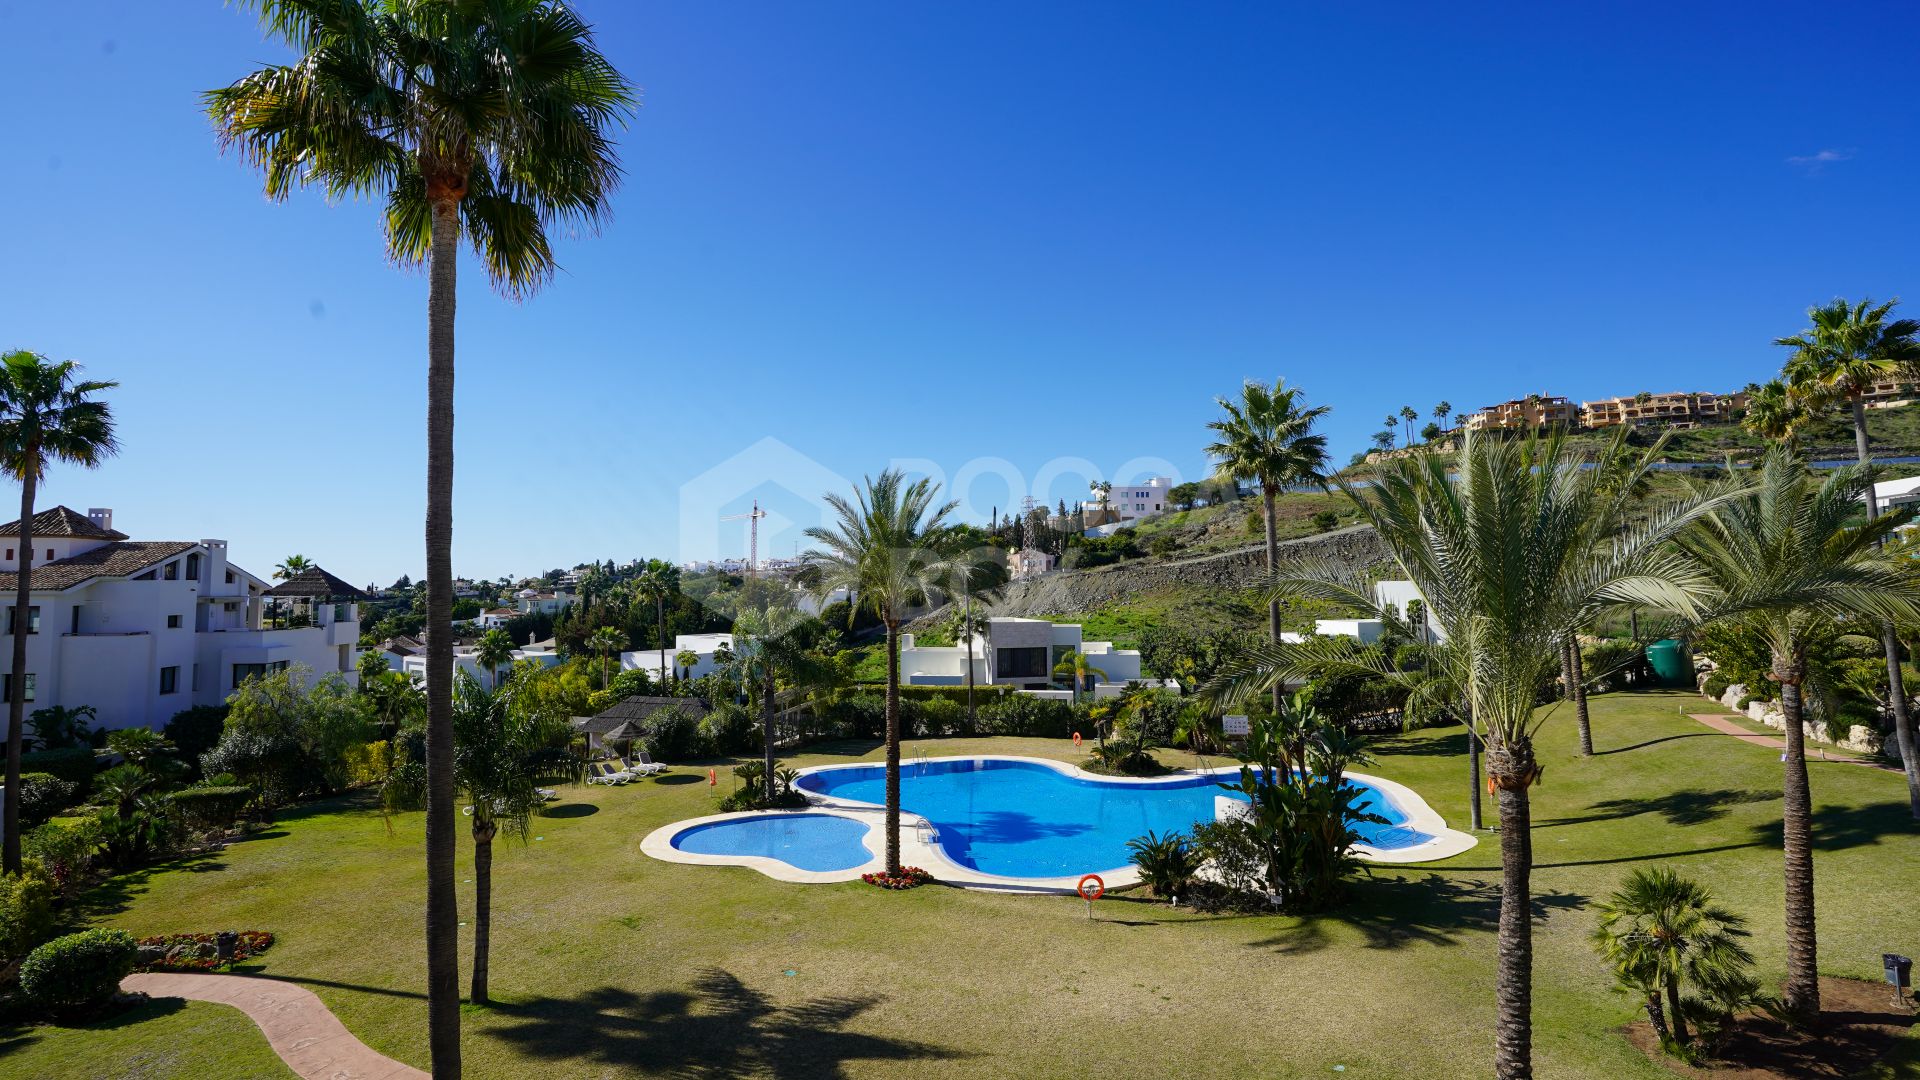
605	772
642	765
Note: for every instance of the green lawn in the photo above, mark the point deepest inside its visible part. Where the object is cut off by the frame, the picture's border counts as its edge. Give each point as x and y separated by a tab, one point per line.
612	964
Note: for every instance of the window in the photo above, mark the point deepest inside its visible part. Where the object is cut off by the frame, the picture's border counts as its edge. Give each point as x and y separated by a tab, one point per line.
76	619
9	554
33	619
173	571
148	576
231	605
229	577
193	566
173	622
243	672
170	680
6	687
49	554
196	678
1024	663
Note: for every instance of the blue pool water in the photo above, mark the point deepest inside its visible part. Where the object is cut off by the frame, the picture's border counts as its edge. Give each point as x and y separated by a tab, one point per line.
804	841
1024	819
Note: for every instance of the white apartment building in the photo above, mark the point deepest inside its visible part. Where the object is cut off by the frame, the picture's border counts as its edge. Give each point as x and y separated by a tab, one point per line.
1018	652
551	603
704	646
1134	501
143	629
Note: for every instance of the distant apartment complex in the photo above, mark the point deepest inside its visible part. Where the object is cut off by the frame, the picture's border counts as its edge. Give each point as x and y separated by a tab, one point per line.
142	629
1678	410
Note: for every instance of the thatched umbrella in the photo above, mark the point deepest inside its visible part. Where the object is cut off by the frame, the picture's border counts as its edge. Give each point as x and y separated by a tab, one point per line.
625	731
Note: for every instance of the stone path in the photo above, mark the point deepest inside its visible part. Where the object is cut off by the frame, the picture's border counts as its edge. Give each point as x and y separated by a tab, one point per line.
298	1025
1726	726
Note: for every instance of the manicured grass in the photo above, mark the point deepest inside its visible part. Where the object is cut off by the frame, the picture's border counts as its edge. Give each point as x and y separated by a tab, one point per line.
163	1038
611	964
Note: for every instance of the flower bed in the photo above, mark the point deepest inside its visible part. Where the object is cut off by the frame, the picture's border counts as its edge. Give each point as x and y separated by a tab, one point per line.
197	952
907	878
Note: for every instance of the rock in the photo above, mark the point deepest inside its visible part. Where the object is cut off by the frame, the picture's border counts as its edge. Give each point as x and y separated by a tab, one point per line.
203	950
1731	699
179	954
148	955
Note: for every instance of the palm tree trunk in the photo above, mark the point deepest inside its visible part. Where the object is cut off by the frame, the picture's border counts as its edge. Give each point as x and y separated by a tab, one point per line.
1890	644
17	700
766	721
893	747
1673	1008
1657	1016
973	723
1512	768
482	907
1477	816
1576	692
1267	492
443	913
660	610
1801	995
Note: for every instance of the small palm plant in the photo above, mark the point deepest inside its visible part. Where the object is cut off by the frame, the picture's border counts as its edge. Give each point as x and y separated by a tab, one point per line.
494	651
1775	413
1663	934
684	662
1077	671
1167	864
606	642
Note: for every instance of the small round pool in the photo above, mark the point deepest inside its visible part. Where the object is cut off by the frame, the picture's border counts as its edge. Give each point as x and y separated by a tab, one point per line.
814	842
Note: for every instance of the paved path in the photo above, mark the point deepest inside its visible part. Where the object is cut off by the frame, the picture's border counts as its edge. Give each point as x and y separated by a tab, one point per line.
298	1025
1726	726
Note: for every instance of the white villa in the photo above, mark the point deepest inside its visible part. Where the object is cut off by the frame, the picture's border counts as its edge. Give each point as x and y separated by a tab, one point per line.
1021	653
1889	495
143	629
705	646
1398	595
1131	503
550	603
466	660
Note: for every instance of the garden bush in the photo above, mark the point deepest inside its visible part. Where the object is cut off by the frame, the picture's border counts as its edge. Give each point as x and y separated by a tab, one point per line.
195	731
78	972
1026	715
935	716
1715	686
66	851
26	911
730	729
42	795
1325	520
672	734
73	764
1615	664
207	807
1167	863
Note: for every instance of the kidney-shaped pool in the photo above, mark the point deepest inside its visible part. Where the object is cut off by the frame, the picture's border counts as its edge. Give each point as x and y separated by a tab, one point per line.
1023	818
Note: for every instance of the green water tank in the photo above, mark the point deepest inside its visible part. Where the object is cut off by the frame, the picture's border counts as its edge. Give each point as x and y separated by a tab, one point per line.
1670	663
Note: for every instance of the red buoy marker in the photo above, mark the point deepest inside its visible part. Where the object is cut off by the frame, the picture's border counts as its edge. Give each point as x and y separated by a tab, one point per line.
1091	888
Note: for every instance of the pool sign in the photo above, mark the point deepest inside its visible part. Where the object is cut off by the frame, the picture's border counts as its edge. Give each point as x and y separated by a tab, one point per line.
1233	725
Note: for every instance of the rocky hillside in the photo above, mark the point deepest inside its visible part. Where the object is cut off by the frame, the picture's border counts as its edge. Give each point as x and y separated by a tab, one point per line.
1072	592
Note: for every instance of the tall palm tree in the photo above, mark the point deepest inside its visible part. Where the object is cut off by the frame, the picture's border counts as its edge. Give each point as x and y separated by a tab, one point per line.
977	575
48	415
1524	544
685	659
1442	411
1783	559
1775	413
1408	414
607	641
1661	932
654	586
770	644
494	651
1574	676
1267	437
1848	348
884	548
293	567
489	121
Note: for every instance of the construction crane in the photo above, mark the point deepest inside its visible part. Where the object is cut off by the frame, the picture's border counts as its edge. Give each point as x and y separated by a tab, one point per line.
752	517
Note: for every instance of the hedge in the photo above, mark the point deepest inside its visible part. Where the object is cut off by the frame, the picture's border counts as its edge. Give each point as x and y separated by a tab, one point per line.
212	807
80	971
73	763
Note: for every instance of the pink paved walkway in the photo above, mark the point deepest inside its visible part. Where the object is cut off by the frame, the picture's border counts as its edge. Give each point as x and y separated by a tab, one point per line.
298	1025
1725	726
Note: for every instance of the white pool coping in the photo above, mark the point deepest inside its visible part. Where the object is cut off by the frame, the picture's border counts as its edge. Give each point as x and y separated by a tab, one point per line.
916	852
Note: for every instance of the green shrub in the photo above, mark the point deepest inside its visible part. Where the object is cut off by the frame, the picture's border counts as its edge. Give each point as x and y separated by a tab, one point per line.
1615	664
73	764
26	911
1715	686
66	851
730	729
78	972
42	795
1167	863
195	731
1027	715
672	734
935	716
207	806
1325	520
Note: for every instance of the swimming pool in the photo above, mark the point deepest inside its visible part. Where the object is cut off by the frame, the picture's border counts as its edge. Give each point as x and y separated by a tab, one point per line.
1025	818
813	842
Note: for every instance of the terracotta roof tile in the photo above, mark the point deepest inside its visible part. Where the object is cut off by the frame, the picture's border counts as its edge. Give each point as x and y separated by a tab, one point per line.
122	558
63	521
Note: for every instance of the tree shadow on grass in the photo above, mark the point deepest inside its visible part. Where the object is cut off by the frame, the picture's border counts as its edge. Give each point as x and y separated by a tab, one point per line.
117	893
718	1028
1451	745
1693	807
1655	742
676	779
1836	828
569	810
1394	912
846	747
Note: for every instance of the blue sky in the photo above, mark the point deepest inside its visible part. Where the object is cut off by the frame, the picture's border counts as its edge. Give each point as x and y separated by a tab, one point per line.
939	234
